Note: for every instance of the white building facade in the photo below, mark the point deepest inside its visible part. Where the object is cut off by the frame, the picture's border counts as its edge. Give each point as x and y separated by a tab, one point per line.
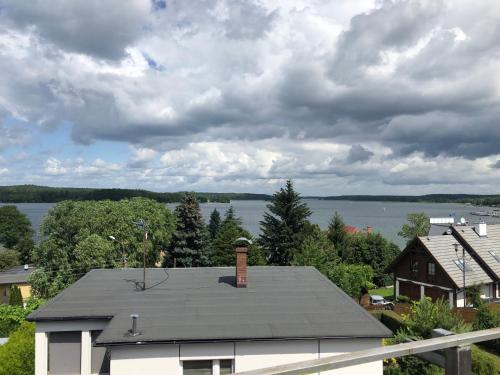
181	359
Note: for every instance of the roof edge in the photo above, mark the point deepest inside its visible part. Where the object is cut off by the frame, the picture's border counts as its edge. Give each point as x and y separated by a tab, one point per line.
250	339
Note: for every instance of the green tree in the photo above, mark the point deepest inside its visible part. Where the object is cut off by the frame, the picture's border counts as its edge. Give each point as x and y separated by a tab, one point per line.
315	249
418	225
337	231
285	220
8	259
13	226
71	229
371	249
94	252
17	356
214	224
222	249
25	248
354	279
188	247
15	296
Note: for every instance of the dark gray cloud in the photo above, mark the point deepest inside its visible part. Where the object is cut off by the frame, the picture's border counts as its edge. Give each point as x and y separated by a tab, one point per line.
358	153
92	27
399	87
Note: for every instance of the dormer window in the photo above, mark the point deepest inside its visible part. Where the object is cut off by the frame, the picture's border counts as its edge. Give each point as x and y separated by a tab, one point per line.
495	255
460	264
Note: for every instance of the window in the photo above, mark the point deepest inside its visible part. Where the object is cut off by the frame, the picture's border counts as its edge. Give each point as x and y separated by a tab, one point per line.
431	269
460	264
226	366
99	357
414	267
197	368
207	367
64	353
495	255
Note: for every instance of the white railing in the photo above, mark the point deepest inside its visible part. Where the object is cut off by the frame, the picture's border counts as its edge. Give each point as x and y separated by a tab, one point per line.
458	342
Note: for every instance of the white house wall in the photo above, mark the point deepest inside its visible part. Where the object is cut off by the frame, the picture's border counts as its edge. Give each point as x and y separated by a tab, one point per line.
259	354
145	359
335	347
167	359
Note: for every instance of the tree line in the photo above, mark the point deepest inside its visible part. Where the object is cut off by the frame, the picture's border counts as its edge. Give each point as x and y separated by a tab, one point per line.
81	235
46	194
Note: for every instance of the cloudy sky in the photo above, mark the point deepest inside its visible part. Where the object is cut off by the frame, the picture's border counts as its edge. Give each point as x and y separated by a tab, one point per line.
343	96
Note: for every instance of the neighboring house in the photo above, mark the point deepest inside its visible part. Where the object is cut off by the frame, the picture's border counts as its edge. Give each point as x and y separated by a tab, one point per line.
17	275
200	321
432	266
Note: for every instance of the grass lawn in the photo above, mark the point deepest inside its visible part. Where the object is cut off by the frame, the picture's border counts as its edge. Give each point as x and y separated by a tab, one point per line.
384	292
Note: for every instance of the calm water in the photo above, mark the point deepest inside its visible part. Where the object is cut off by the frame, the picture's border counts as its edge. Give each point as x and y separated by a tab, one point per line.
384	217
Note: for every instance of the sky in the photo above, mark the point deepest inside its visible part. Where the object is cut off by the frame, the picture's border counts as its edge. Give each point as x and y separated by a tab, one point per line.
343	97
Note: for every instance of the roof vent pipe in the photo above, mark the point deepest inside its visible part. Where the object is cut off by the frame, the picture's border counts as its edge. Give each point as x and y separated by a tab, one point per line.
133	331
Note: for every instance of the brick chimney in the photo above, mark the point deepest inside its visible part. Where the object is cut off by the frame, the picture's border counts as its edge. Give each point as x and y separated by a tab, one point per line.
369	229
241	267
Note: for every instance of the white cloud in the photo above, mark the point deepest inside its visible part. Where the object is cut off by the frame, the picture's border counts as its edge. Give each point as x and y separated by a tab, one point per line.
234	94
54	166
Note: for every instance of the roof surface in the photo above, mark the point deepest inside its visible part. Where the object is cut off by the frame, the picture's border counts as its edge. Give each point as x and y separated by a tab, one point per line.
443	250
483	245
201	304
16	275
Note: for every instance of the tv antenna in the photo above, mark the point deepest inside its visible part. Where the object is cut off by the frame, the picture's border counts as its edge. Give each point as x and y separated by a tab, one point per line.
142	224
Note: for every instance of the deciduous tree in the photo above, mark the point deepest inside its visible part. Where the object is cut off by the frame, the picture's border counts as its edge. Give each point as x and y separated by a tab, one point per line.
76	237
418	225
13	226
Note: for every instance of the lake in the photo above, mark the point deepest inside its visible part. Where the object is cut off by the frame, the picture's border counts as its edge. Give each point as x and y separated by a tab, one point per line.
384	217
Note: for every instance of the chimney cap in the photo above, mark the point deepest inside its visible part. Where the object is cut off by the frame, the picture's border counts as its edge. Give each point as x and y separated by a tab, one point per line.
243	241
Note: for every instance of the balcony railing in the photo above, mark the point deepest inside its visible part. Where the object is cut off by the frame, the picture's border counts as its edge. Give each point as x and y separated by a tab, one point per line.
457	357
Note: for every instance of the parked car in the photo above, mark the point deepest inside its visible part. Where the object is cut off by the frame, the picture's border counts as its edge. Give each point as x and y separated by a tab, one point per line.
376	300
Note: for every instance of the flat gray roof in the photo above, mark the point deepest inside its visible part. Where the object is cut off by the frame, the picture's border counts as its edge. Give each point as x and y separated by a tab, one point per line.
16	275
202	304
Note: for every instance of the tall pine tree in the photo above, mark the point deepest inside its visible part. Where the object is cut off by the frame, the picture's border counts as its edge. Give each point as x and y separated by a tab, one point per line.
282	225
188	247
214	224
337	231
223	245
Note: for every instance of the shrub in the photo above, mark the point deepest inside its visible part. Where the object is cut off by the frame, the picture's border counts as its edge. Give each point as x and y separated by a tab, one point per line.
483	363
17	357
424	316
403	299
487	318
391	320
12	316
15	297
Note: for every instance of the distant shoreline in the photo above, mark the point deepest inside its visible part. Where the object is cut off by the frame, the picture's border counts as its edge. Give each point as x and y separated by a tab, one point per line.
46	194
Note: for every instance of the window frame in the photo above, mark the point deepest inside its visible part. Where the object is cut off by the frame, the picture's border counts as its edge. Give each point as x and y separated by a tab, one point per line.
414	266
215	364
431	276
494	255
461	264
